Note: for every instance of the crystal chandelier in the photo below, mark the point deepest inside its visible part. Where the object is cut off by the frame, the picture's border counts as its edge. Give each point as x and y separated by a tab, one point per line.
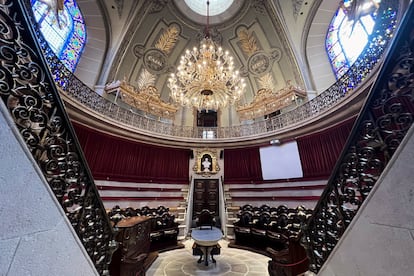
205	78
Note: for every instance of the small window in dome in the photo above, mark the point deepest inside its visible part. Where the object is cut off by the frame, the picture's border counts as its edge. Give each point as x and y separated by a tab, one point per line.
216	6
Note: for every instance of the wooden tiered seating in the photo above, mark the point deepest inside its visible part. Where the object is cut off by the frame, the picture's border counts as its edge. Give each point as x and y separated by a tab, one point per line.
163	228
260	227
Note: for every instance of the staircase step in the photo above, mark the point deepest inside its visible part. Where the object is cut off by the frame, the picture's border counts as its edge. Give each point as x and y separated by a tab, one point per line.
231	215
230	229
173	209
233	208
232	220
181	232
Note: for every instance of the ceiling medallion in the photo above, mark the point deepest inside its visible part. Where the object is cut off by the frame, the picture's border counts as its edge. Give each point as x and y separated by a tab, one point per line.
155	61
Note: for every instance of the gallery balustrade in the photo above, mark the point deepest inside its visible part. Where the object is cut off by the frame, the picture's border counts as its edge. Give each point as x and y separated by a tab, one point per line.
341	89
29	91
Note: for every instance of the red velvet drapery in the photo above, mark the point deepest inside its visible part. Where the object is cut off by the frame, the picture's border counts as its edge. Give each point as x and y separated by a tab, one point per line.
113	158
117	159
320	151
242	165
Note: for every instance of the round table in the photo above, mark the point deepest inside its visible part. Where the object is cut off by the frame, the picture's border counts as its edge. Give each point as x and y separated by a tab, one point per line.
206	239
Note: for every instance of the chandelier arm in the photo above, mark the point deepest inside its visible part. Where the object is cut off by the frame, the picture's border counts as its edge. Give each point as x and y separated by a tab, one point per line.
205	77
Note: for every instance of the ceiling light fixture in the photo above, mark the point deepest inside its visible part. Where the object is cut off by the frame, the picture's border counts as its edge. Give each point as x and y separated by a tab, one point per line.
205	78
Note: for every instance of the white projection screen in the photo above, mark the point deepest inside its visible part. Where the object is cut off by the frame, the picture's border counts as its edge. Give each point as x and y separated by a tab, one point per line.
281	161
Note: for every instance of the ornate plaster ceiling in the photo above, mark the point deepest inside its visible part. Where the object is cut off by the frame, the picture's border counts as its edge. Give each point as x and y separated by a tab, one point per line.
161	33
268	39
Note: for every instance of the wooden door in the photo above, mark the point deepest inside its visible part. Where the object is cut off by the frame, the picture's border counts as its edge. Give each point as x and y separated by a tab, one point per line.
207	118
205	196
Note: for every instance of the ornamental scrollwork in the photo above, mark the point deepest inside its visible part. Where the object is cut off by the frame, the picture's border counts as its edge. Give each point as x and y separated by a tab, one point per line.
379	130
31	97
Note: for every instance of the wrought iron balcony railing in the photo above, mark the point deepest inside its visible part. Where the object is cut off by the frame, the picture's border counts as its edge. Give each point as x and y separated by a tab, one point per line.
29	91
344	86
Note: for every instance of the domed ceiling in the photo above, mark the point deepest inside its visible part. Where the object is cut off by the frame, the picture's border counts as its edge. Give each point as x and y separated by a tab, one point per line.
276	44
249	30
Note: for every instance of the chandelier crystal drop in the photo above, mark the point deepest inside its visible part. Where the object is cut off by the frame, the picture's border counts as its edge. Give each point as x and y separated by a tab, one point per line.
205	78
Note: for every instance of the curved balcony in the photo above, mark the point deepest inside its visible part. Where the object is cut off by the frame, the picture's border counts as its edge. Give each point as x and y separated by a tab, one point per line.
339	102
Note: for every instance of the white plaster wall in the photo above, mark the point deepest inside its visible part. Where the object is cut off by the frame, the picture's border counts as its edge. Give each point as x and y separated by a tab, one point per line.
316	55
35	236
380	240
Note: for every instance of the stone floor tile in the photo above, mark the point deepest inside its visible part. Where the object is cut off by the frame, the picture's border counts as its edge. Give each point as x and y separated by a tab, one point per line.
231	262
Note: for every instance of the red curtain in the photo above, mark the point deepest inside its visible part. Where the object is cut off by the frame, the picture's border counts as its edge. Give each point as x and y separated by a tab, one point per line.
320	151
242	165
113	158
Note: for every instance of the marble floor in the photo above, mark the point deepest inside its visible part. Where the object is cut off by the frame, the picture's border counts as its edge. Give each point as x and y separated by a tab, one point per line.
231	262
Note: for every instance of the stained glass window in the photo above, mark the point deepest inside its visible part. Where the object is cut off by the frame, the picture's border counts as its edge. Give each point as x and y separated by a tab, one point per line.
63	29
349	32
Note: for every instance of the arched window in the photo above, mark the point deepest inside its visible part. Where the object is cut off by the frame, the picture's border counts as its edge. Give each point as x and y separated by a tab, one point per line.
63	28
348	33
